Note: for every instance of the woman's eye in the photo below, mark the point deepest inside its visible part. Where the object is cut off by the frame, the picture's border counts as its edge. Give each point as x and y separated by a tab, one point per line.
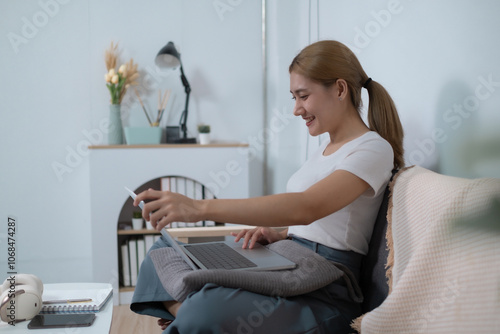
303	97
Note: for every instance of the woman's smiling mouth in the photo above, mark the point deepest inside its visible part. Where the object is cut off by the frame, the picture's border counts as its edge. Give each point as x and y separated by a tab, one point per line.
309	120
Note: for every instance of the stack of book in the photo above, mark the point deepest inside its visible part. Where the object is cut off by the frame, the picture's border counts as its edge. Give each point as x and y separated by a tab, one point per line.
133	252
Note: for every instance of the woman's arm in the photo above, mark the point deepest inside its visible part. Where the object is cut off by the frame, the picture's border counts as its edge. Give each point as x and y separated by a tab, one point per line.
300	208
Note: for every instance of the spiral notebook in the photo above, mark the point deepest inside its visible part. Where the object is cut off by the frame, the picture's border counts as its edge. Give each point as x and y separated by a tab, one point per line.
67	301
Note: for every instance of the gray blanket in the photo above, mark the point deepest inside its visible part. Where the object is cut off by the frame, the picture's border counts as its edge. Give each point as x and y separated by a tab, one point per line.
312	272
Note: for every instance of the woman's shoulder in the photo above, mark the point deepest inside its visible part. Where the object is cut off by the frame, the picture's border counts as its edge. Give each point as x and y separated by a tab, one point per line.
371	135
373	140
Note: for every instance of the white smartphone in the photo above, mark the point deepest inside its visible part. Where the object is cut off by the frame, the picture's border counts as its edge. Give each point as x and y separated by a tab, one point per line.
133	195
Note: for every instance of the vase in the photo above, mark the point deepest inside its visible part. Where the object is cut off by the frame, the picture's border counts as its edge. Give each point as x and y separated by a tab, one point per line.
115	128
148	135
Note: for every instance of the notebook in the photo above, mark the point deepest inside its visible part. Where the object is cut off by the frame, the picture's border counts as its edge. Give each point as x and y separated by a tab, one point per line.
258	258
85	300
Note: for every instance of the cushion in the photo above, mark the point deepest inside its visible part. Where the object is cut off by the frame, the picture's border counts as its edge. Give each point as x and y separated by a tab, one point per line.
373	280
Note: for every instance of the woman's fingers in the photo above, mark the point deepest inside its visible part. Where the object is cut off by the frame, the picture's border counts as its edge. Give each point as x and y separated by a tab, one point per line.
144	196
251	238
161	223
239	235
164	207
254	239
258	234
147	195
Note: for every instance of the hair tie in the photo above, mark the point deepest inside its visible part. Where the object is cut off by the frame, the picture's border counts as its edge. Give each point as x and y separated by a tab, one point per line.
365	85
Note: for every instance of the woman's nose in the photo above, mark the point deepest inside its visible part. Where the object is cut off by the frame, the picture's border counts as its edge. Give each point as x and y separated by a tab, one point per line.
297	109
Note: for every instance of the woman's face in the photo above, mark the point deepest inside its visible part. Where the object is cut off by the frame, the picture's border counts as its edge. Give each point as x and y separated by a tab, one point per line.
315	103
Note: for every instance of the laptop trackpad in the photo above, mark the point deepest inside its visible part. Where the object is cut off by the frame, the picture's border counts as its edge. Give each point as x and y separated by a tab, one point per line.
258	258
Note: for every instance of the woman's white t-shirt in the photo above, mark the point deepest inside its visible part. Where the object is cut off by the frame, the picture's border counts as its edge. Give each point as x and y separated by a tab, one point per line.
369	157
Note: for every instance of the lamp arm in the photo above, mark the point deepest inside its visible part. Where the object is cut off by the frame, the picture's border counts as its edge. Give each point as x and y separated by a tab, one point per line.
187	89
184	116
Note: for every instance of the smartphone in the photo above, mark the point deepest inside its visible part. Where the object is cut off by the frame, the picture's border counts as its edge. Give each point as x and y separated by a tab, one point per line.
133	195
61	320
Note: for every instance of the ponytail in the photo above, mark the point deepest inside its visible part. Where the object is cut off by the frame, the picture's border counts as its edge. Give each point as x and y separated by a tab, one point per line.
383	118
326	61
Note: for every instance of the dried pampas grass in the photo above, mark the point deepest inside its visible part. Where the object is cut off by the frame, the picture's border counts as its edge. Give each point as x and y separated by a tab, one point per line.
111	56
131	74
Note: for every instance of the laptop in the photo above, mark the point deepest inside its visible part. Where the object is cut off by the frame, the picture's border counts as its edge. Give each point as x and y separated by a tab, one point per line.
228	255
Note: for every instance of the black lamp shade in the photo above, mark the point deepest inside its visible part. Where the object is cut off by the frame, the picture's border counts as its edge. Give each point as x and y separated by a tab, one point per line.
168	56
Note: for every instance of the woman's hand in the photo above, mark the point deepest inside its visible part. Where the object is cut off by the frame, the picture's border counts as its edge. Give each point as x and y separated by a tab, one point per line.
164	207
262	235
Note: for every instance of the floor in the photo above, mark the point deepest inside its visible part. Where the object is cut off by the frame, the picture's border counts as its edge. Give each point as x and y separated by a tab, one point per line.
127	322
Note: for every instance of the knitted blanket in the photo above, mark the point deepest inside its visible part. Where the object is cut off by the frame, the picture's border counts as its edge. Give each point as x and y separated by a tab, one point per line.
444	260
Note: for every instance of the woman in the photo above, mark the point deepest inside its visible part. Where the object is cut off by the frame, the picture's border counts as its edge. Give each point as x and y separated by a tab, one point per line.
330	207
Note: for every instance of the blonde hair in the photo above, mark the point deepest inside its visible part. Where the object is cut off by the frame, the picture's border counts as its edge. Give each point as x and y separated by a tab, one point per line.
327	61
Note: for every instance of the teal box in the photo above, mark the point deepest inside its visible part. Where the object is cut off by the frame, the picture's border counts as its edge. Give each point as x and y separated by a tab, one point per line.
143	135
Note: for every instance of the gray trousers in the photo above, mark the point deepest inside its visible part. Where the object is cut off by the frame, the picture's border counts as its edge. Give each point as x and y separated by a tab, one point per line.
216	309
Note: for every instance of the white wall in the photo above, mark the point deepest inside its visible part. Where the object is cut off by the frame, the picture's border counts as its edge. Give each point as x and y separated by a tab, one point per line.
45	105
53	99
431	56
291	25
285	37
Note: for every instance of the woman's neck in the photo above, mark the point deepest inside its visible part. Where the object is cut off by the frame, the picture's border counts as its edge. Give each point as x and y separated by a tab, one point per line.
351	128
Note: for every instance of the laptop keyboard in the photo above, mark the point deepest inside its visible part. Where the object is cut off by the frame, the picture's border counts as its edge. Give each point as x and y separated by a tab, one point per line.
219	256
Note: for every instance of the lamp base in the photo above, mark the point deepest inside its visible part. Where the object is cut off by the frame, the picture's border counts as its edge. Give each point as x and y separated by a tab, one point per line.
186	141
174	136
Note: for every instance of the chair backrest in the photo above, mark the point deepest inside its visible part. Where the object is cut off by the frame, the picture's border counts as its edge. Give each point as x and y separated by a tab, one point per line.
373	281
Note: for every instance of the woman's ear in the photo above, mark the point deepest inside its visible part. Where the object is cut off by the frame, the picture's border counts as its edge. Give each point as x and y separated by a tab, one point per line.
342	89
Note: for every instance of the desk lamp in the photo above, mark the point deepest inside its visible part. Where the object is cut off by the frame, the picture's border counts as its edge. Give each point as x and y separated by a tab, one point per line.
169	57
